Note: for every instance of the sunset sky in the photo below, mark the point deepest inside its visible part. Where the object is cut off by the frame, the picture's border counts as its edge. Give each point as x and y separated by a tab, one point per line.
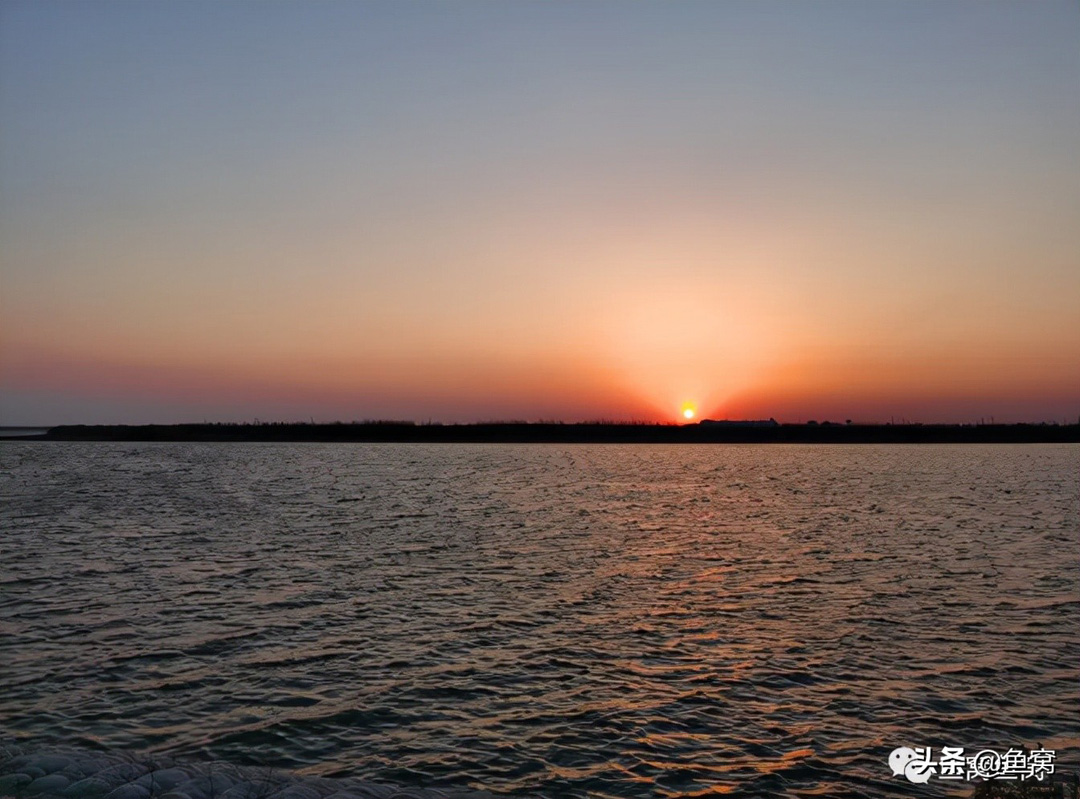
465	211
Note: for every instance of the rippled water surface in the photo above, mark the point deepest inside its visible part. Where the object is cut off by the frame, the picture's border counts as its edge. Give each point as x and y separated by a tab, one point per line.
552	620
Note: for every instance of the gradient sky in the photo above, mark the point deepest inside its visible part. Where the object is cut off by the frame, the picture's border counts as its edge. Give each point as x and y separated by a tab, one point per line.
560	210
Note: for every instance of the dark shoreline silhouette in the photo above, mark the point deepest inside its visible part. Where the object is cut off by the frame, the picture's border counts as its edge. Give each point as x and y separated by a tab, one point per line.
706	432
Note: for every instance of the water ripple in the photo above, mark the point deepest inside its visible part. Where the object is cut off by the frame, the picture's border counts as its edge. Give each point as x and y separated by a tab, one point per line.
606	621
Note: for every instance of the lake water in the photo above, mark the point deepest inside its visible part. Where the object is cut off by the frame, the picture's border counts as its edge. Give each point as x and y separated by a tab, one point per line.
550	620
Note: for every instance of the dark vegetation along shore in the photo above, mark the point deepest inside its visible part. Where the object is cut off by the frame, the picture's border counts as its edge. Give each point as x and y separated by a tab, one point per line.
705	432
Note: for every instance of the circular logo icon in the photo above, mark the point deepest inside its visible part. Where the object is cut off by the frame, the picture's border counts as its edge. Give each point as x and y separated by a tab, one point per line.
899	758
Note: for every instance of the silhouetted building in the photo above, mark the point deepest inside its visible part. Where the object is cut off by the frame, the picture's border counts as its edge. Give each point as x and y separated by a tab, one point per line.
739	423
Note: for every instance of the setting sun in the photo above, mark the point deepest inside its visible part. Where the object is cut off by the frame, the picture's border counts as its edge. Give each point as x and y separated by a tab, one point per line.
688	411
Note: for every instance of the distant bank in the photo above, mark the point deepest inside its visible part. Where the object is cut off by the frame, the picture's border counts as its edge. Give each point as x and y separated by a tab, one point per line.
23	432
706	432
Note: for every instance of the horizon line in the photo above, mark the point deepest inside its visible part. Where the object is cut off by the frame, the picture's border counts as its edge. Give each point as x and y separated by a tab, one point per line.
771	421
